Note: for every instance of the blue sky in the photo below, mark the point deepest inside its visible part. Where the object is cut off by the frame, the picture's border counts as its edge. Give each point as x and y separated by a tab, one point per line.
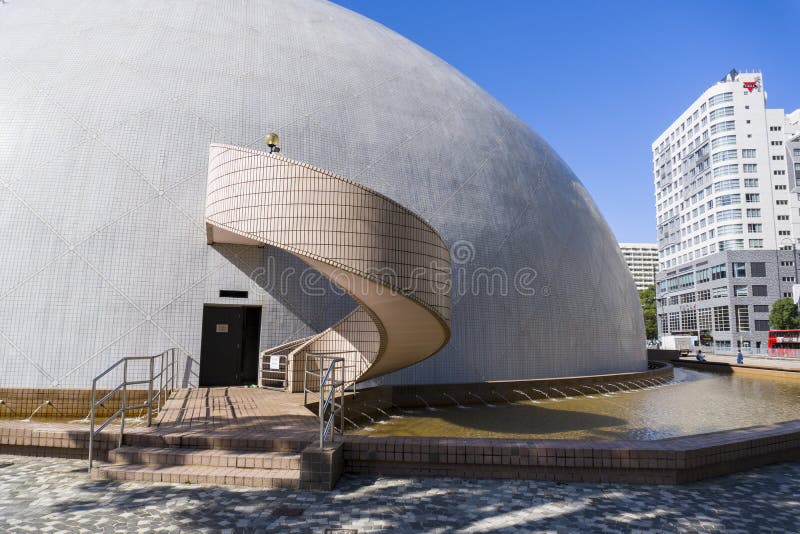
600	80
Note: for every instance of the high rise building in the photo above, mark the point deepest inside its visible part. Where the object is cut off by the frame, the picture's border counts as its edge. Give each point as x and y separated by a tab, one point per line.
728	213
642	261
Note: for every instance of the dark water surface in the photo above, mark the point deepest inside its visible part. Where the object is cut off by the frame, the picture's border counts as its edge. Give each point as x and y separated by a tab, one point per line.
694	403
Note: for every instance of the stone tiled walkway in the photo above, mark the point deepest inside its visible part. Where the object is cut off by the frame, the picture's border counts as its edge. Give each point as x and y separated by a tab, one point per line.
55	495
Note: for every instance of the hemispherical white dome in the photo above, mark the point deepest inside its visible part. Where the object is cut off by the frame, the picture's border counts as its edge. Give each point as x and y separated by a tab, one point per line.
108	112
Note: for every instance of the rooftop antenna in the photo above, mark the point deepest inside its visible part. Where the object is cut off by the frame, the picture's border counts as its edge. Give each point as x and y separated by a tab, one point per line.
272	140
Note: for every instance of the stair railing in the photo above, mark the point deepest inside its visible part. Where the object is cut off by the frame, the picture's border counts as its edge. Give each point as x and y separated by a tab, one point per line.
324	374
165	379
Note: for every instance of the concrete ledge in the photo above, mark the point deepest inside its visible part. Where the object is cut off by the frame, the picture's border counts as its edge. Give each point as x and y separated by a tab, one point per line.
667	461
745	369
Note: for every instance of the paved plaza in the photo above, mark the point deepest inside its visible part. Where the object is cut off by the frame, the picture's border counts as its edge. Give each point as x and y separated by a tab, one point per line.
50	495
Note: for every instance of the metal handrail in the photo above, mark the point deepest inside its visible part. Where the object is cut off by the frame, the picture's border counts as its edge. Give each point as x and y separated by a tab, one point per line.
328	404
166	385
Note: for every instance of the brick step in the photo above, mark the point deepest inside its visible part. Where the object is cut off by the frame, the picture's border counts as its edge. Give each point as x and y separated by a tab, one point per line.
200	474
211	441
242	459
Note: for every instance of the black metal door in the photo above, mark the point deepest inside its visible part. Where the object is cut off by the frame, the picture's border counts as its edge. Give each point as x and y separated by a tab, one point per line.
221	346
250	346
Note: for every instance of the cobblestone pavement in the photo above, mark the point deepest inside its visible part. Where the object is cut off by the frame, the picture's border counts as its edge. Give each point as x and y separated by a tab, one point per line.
49	495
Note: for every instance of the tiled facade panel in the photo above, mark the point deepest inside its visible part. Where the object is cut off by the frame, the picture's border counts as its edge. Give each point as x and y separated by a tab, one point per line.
108	109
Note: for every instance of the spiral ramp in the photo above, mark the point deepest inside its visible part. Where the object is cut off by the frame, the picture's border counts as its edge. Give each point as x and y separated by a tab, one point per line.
387	258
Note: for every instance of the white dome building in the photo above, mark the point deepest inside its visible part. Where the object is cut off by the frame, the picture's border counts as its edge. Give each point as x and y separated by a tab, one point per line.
108	113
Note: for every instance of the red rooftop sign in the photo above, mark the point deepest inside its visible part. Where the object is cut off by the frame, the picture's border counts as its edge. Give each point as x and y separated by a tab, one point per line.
750	85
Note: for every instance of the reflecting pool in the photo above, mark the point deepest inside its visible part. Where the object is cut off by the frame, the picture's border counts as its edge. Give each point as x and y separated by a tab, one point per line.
693	403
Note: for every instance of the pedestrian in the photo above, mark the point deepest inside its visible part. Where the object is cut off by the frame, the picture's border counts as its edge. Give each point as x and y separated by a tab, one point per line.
700	357
739	357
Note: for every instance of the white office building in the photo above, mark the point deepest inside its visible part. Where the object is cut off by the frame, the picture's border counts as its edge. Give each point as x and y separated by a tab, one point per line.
642	262
728	213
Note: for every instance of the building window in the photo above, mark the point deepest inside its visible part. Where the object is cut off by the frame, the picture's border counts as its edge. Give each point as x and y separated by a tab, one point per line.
664	323
782	202
752	197
748	153
723	127
787	278
742	318
751	182
754	212
777	158
783	217
721	112
760	308
749	167
720	99
704	294
731	244
728	200
674	321
739	291
725	170
759	291
756	243
787	263
688	320
738	270
729	229
780	187
758	269
686	298
725	185
719	292
729	215
718	272
754	228
721	319
725	140
704	319
784	232
673	300
761	325
703	275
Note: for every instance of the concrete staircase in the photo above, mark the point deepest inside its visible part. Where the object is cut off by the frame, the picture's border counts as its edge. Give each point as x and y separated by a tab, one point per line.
253	468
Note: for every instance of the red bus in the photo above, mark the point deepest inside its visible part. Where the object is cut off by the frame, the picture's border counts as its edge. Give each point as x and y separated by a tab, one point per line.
784	343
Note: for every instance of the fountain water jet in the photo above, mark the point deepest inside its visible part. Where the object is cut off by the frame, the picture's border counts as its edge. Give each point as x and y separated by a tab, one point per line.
351	422
454	400
579	392
427	406
503	397
561	392
42	405
546	396
526	396
7	407
480	399
367	416
376	408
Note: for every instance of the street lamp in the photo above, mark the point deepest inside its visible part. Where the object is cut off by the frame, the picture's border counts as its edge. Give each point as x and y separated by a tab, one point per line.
272	140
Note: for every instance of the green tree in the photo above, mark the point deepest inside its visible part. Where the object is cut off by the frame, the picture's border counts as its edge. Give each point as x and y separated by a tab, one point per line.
647	297
783	315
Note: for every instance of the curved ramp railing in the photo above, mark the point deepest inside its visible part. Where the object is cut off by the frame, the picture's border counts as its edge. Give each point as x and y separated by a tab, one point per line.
387	258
